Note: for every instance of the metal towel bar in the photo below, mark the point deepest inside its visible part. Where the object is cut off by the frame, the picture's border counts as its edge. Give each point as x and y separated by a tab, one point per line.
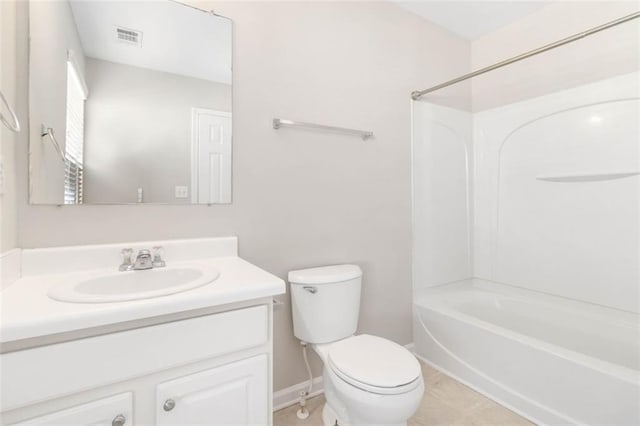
15	126
278	122
48	131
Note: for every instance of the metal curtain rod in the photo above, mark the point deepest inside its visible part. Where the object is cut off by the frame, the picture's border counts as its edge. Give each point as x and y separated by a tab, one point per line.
419	93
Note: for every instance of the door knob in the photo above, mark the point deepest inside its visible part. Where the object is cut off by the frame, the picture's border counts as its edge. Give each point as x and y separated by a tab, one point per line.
119	420
169	404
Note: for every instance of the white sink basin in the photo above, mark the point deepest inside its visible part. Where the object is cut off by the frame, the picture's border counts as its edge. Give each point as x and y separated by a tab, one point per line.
131	285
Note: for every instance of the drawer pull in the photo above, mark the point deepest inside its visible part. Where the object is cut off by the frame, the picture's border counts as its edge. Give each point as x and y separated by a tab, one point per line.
119	420
169	404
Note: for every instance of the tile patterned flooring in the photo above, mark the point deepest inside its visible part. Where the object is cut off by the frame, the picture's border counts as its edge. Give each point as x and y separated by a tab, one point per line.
445	402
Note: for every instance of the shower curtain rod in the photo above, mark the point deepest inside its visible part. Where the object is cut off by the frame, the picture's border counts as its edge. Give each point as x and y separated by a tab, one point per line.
419	93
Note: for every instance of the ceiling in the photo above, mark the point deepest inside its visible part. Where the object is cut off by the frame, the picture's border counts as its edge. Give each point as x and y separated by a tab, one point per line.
472	19
175	38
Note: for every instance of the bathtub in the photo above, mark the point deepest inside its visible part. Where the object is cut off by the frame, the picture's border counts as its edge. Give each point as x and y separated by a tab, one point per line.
552	360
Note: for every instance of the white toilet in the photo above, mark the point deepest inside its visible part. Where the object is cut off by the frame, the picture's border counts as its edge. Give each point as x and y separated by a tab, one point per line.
367	380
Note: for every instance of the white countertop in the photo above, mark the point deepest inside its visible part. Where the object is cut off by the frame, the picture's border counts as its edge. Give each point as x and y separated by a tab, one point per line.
27	311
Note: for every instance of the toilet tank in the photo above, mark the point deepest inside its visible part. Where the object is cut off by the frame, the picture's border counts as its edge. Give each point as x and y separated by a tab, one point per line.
325	302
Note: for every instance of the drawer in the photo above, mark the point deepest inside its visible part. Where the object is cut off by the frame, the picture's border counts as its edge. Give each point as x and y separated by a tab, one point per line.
38	374
117	409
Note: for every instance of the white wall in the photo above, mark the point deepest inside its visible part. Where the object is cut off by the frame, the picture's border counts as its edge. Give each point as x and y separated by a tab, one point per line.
138	131
8	206
606	54
300	198
53	33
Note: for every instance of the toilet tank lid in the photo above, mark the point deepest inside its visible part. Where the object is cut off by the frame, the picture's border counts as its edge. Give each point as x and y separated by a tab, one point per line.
325	274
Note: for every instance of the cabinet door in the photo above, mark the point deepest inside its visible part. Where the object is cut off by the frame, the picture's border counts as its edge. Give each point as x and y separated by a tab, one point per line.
115	410
232	394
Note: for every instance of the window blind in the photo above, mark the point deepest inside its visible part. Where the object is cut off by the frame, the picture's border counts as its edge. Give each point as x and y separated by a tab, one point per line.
74	142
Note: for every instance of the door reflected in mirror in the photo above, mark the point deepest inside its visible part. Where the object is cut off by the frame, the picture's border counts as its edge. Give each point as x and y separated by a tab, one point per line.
130	102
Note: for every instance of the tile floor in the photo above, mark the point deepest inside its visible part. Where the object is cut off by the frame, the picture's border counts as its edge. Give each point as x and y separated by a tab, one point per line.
445	402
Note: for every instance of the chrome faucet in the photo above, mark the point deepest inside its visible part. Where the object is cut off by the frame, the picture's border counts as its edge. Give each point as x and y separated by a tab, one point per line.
126	264
143	259
158	252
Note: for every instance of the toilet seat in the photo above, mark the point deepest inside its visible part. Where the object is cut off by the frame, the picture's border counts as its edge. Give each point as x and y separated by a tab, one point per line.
374	364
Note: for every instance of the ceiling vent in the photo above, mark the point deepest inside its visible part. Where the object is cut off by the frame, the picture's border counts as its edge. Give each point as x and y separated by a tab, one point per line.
128	36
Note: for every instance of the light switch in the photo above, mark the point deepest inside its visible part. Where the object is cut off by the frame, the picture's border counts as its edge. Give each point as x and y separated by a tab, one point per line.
182	191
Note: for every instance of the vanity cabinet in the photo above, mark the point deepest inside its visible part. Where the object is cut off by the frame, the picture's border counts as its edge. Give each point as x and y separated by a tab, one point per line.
228	395
212	369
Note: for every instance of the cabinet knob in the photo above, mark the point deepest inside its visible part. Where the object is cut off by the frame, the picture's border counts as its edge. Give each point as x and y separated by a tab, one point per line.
169	404
119	420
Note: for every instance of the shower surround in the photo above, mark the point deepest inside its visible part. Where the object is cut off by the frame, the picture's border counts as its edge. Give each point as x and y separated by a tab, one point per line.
526	277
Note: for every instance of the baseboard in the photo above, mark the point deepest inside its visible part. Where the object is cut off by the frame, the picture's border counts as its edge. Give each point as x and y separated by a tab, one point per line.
291	395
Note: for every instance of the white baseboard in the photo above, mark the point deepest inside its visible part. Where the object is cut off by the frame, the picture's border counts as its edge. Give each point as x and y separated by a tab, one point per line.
291	395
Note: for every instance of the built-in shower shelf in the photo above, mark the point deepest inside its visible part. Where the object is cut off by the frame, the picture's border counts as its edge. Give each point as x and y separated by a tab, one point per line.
587	177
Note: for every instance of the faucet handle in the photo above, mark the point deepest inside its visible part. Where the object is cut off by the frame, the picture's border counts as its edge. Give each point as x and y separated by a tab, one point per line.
126	264
158	252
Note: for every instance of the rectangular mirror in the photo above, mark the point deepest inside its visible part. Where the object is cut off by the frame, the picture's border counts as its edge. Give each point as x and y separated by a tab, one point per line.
130	102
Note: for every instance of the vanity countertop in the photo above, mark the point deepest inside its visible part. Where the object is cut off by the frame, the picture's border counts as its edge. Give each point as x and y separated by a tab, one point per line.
27	312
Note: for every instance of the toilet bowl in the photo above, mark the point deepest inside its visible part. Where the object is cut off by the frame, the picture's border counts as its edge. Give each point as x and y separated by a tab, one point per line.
368	380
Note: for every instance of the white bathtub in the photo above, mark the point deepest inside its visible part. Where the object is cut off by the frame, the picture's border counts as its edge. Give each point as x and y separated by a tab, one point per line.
553	360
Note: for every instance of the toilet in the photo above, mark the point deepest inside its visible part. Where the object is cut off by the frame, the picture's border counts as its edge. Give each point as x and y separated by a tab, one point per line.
367	380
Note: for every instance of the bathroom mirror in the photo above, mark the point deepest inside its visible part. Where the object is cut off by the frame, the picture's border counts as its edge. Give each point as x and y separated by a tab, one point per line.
130	102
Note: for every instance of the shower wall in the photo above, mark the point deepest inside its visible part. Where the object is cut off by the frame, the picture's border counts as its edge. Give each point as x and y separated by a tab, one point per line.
546	192
557	193
442	153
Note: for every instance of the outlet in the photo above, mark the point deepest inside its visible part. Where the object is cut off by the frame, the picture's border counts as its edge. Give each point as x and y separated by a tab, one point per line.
182	192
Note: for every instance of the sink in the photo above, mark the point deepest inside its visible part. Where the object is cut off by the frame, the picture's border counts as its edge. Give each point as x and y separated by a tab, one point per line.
131	285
